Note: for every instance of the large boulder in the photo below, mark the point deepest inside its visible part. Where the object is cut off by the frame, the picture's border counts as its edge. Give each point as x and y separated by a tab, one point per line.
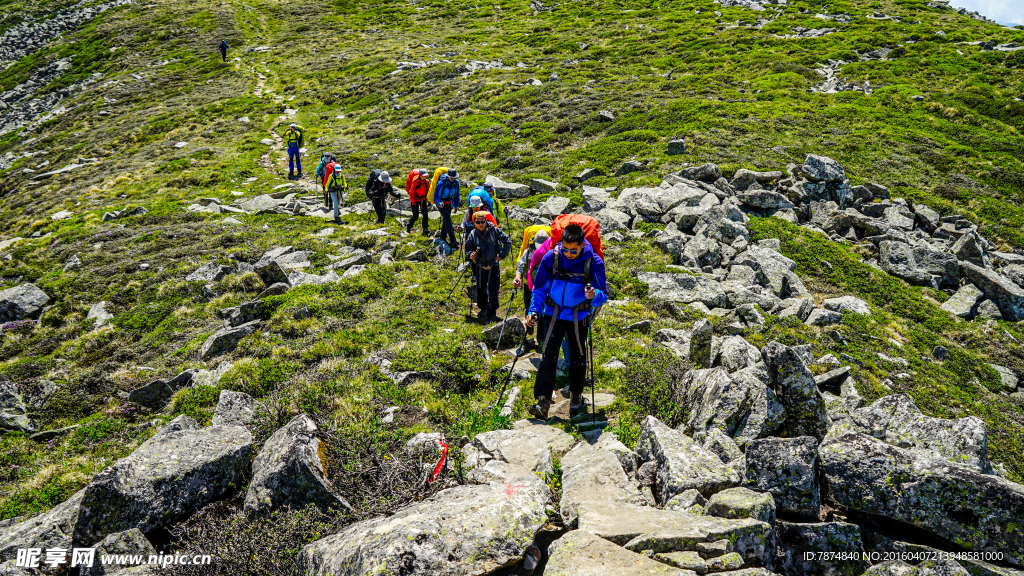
21	302
469	529
581	553
845	304
977	511
290	470
943	266
969	248
210	272
841	540
13	412
235	409
740	404
786	468
1007	296
529	445
897	421
795	386
684	288
158	393
700	343
226	339
822	169
742	503
51	529
964	302
682	463
598	497
178	470
128	543
736	354
508	189
764	200
897	258
511	331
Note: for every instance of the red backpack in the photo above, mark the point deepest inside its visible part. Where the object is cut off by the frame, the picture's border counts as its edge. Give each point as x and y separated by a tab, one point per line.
591	230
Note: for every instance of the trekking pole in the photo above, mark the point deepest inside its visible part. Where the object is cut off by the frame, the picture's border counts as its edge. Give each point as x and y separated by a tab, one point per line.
508	310
590	352
511	371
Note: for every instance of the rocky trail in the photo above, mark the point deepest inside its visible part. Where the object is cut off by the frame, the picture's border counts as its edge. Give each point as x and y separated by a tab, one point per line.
771	466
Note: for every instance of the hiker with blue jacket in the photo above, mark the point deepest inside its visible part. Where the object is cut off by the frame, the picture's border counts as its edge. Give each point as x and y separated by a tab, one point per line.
569	284
223	47
486	247
446	198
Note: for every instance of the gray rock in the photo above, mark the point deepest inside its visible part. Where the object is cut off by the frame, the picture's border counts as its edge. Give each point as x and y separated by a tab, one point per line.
795	540
529	446
511	332
682	464
21	302
987	310
740	404
736	354
822	169
157	393
629	167
845	304
823	317
705	173
764	200
210	272
581	553
742	503
917	487
897	259
684	288
700	344
130	542
51	529
507	189
99	314
943	266
275	289
676	147
969	248
270	272
226	339
554	206
786	468
235	409
1006	376
800	308
897	421
612	220
1002	291
595	199
964	303
13	413
164	480
543	186
290	471
795	386
589	173
469	529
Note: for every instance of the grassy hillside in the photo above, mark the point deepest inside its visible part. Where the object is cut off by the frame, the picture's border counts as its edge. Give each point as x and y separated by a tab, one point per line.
941	125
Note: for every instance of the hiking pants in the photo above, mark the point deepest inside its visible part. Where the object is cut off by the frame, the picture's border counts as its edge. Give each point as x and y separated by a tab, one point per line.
380	207
335	199
293	158
418	207
488	282
577	358
224	55
447	230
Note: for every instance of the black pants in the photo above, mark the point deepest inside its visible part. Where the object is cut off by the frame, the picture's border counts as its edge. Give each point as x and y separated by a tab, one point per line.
488	282
447	230
545	384
380	207
224	55
418	207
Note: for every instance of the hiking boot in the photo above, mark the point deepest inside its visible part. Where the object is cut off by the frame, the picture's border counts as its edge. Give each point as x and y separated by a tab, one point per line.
540	409
291	174
576	403
492	317
426	232
337	220
482	315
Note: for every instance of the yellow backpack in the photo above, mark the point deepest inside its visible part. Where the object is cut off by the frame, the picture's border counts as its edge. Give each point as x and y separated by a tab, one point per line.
433	183
528	235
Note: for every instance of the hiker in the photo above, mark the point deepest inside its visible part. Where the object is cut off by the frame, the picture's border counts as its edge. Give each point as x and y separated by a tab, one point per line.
336	186
486	246
378	187
533	238
321	175
570	282
293	138
489	196
476	204
224	50
417	185
446	198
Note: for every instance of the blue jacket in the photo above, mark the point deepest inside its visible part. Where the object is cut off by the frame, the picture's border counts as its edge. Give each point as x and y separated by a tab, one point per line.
570	292
447	190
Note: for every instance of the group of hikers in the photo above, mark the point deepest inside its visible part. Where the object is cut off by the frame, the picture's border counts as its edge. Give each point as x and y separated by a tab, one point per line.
560	268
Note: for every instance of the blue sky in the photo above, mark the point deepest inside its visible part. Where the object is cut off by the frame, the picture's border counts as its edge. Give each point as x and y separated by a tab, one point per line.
1006	11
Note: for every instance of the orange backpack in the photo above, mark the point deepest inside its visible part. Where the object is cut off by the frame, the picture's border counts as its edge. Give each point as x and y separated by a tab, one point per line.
591	230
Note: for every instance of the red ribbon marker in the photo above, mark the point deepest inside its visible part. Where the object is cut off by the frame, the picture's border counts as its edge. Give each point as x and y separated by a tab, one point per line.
440	463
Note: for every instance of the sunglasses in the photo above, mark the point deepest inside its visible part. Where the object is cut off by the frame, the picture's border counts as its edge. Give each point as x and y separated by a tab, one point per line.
570	252
480	222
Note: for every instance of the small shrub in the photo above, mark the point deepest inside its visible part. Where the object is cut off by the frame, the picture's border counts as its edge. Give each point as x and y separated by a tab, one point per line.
650	380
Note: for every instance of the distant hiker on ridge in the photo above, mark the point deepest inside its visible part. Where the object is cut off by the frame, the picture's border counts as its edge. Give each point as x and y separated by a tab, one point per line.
570	282
224	50
293	138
